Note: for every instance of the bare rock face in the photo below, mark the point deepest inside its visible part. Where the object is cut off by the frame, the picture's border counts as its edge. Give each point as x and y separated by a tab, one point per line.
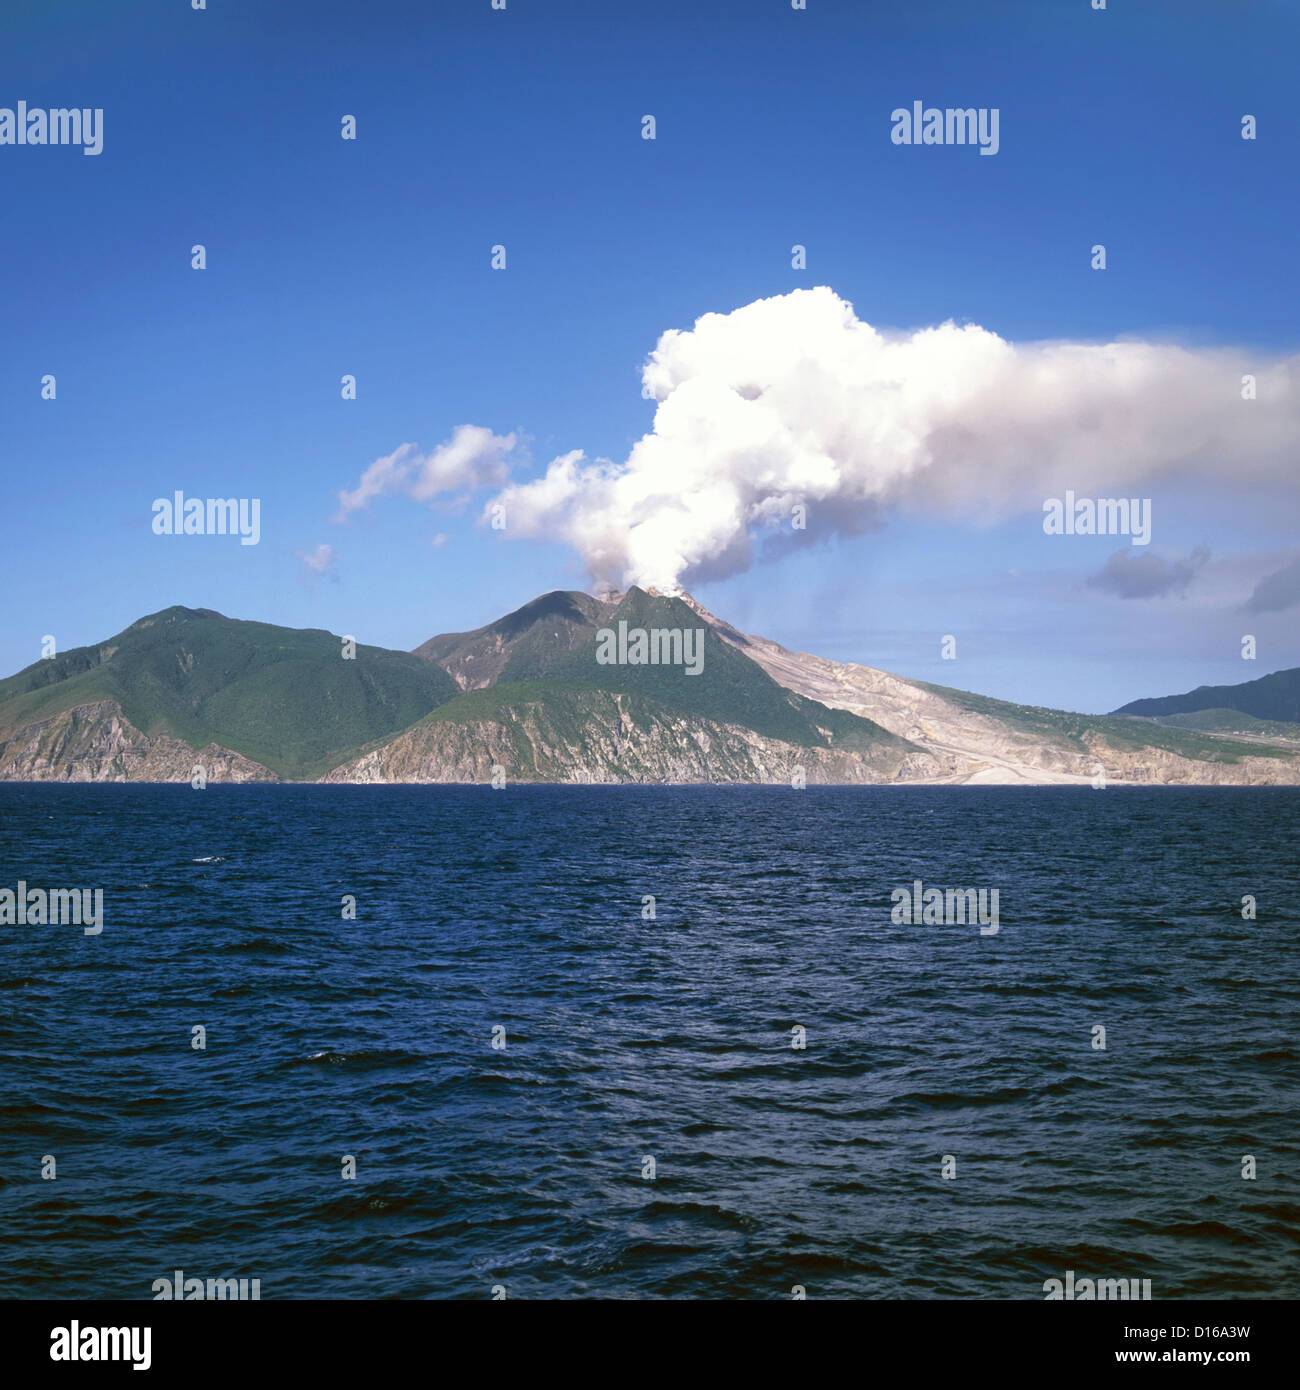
612	738
96	743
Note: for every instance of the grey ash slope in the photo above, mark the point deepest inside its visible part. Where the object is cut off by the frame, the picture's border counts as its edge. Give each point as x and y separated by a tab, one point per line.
979	739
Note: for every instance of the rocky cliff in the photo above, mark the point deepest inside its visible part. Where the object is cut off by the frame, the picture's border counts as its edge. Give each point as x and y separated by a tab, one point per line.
97	743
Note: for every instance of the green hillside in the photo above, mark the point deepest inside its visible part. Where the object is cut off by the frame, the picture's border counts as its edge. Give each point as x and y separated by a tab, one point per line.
1272	697
287	699
525	645
1231	721
283	697
730	688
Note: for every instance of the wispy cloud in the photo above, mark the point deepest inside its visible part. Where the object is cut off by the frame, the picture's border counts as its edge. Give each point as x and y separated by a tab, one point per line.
471	459
319	562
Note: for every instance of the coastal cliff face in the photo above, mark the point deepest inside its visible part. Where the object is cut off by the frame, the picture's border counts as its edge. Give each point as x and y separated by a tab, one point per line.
599	736
534	741
188	686
97	743
528	700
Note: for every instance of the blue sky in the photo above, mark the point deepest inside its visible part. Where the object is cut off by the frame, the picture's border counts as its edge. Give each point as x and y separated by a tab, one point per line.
523	128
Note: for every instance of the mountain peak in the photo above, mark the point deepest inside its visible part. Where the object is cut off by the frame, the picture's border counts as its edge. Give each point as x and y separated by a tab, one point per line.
532	691
522	644
172	614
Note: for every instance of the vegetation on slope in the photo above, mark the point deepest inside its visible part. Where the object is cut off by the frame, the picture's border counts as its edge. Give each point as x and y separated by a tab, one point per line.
1272	697
281	696
525	645
730	689
1231	721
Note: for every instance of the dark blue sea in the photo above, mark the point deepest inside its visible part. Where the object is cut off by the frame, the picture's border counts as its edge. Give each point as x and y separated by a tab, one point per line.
629	1039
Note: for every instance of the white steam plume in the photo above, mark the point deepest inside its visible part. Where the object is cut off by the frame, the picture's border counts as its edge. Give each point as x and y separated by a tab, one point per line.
795	399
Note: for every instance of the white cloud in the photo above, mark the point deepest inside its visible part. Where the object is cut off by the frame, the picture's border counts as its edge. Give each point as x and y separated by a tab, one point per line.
472	458
383	476
320	561
795	399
